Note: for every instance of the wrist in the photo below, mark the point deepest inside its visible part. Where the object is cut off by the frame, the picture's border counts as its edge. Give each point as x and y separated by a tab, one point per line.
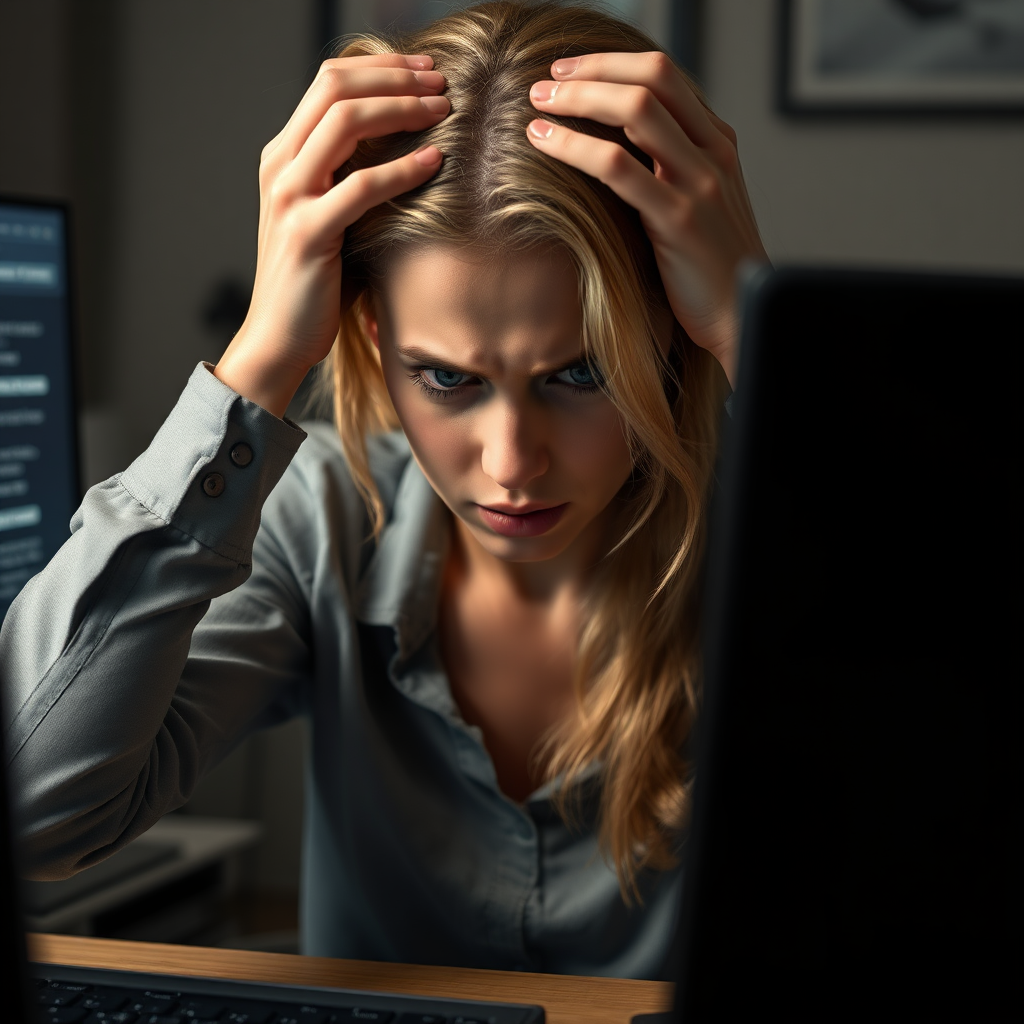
267	384
726	356
723	344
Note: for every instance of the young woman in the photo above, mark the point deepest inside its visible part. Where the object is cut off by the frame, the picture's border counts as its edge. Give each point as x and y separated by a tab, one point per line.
513	238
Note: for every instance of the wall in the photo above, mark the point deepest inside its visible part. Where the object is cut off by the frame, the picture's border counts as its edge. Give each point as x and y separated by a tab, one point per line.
202	88
33	99
894	192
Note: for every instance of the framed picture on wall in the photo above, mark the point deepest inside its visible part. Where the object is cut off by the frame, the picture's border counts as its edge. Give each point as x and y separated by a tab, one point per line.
902	56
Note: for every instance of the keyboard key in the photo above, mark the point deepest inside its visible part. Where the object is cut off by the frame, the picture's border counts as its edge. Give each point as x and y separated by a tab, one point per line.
110	1017
251	1013
421	1018
55	997
64	1014
155	1018
106	1001
301	1015
162	1003
202	1009
360	1013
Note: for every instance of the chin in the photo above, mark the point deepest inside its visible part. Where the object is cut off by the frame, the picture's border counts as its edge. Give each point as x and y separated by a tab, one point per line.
523	549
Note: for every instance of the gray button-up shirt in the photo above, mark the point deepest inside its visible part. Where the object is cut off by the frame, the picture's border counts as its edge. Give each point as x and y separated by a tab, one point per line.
203	595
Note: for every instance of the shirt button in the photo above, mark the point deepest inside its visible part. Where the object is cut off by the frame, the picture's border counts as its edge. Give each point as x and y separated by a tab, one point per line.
213	484
241	454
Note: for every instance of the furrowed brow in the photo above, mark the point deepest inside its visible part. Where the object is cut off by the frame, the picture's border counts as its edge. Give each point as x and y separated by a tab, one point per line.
413	354
422	357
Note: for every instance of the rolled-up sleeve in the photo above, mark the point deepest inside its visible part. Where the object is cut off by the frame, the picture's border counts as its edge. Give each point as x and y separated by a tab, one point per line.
113	708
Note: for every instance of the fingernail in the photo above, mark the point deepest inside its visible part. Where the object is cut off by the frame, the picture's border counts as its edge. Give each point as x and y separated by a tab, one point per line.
431	79
420	61
541	129
544	91
566	66
436	104
427	155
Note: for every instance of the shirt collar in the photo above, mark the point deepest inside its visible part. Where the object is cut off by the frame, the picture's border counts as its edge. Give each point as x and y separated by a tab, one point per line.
402	584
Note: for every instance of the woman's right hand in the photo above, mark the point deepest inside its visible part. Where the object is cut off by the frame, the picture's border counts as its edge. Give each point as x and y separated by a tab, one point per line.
296	303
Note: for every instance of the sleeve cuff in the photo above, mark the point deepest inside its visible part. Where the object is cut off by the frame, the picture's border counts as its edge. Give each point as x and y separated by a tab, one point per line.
212	465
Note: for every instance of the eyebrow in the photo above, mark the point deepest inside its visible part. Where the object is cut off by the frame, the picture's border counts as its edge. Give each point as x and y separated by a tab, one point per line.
422	356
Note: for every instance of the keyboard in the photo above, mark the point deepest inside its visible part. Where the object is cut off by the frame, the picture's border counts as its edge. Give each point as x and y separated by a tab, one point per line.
87	995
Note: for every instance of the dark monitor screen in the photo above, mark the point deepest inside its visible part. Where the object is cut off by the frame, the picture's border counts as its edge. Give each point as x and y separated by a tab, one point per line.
856	846
39	488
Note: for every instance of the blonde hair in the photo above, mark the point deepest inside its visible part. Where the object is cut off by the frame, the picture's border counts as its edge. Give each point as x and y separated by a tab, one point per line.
637	676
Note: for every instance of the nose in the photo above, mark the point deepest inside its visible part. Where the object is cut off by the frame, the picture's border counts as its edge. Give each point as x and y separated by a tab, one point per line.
514	448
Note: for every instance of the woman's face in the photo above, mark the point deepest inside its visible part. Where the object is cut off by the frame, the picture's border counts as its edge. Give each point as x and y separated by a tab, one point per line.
485	368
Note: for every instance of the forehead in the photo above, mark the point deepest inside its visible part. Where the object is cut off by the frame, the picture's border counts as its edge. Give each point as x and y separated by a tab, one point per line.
518	310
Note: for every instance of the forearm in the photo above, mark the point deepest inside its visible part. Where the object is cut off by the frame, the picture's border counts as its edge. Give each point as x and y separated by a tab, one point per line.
102	737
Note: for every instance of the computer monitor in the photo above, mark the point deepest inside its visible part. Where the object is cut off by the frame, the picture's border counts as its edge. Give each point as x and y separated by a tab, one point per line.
856	838
39	481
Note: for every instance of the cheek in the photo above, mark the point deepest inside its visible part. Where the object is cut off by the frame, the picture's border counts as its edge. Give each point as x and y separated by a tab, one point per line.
438	441
593	448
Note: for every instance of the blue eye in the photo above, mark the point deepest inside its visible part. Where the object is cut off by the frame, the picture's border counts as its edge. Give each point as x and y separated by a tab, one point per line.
581	377
438	383
444	379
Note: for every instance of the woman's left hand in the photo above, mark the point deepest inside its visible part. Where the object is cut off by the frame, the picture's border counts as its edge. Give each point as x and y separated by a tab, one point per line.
694	206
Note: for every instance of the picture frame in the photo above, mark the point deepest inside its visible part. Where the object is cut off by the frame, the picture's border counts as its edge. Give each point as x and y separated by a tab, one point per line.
901	57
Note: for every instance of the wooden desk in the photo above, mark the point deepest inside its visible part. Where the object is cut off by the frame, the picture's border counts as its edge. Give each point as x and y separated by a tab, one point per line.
566	999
